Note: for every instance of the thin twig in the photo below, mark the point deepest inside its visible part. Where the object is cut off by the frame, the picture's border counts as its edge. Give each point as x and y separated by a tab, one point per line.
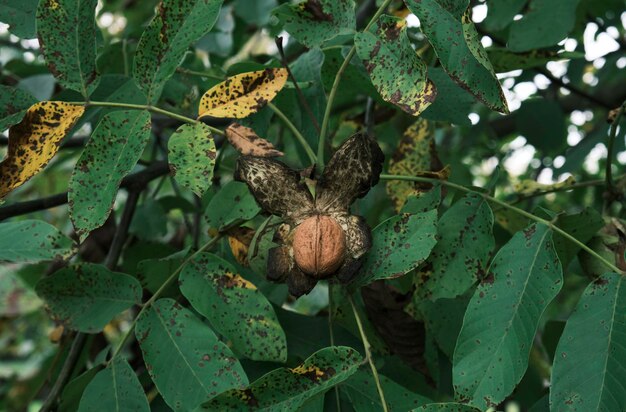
66	372
333	91
610	148
303	101
310	153
506	206
122	230
368	354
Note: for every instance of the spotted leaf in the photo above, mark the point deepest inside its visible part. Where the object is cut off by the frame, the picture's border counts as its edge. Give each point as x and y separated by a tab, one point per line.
115	388
285	389
86	297
35	140
191	155
242	94
416	154
186	361
177	24
113	150
236	309
312	22
400	244
13	104
67	35
501	320
452	34
248	143
395	69
233	202
32	241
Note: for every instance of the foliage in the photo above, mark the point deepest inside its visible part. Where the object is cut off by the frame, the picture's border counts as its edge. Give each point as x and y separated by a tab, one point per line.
134	267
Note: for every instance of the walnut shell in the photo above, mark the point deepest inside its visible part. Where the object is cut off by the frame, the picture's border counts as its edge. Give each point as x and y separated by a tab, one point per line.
319	246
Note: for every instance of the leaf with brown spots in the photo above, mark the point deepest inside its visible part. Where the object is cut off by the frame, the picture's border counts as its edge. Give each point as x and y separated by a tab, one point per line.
493	347
86	297
13	104
235	307
239	239
395	69
191	154
35	140
186	361
588	372
242	94
231	203
415	155
33	241
465	242
452	34
248	143
313	22
177	24
111	153
400	244
115	388
446	407
67	35
285	390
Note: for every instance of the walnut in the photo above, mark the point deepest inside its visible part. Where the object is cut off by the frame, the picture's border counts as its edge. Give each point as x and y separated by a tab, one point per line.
319	245
319	237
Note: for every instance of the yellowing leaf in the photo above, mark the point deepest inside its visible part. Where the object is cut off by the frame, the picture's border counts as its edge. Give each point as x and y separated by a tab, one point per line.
415	155
242	94
35	140
529	187
239	239
248	143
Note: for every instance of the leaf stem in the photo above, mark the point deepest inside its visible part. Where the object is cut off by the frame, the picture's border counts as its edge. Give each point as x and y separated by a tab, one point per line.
333	91
307	148
610	148
159	292
506	206
368	354
149	108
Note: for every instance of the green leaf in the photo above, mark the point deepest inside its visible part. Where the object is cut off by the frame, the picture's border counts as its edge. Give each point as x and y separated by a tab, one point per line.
85	297
493	347
424	202
546	23
20	16
452	34
115	388
232	203
446	407
504	60
542	122
443	319
13	105
400	244
395	69
501	13
33	241
186	361
312	22
177	24
363	394
583	226
67	35
285	389
73	391
16	296
235	307
152	273
588	372
191	155
111	153
465	242
453	103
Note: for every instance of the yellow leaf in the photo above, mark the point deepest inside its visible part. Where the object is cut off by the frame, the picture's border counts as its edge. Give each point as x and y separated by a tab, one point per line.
35	140
529	187
242	94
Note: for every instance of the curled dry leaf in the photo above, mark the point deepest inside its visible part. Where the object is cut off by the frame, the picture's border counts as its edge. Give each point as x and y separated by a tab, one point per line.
248	143
35	140
242	94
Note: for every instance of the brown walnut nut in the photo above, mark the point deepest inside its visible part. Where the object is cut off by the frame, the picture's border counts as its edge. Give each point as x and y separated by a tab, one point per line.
319	245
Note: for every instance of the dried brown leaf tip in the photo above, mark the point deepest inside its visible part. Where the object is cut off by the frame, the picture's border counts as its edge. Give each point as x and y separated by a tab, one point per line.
248	143
319	238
